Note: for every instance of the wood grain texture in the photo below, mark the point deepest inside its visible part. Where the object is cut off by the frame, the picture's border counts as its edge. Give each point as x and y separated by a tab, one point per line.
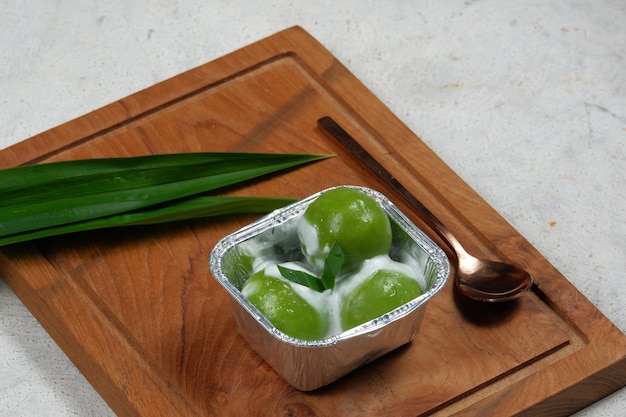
138	312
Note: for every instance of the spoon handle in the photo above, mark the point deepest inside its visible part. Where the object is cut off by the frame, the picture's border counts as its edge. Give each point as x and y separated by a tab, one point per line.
338	133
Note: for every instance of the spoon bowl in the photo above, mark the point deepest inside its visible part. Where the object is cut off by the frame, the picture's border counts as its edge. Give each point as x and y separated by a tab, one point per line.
478	279
490	281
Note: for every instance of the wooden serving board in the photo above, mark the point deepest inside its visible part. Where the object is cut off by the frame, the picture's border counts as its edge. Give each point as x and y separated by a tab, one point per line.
138	312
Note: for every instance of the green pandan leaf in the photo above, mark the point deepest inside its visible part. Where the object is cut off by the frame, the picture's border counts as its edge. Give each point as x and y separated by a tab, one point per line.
332	266
69	196
185	209
52	194
302	278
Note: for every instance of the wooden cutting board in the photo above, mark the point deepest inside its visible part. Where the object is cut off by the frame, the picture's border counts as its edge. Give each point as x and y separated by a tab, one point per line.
138	312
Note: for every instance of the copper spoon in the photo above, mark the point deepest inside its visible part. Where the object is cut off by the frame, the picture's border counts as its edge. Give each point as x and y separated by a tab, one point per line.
478	279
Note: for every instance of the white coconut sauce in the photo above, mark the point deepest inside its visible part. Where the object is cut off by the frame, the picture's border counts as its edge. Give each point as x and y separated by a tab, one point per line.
307	233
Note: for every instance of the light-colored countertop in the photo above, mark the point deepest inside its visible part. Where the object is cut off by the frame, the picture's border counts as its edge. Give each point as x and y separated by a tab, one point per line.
526	100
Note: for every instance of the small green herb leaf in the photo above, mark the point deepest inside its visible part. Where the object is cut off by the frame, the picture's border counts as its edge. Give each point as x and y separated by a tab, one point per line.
332	266
302	278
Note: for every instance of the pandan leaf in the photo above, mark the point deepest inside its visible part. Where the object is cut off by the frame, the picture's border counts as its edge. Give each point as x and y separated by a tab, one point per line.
302	278
189	208
62	197
332	266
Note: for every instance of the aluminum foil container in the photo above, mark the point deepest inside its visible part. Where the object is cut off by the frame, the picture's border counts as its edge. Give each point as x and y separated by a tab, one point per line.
306	364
